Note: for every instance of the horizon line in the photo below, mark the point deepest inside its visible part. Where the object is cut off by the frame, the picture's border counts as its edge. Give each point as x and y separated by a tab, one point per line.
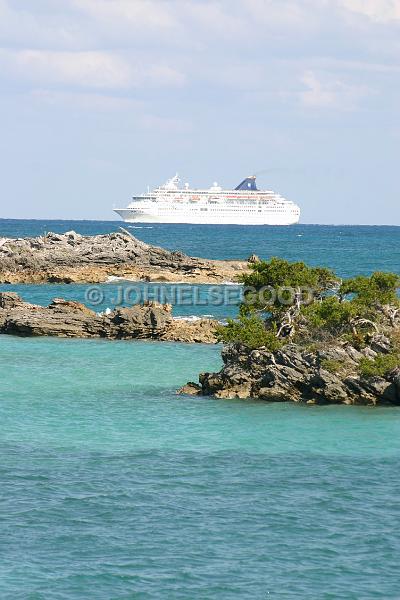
53	219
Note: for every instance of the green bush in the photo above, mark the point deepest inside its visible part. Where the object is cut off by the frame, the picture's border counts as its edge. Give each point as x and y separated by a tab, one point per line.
331	365
280	275
379	289
380	365
249	330
329	314
309	304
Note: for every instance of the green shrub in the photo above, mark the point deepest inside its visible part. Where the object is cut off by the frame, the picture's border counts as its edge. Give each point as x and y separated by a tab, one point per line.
308	304
380	365
329	314
249	330
282	276
356	339
331	365
380	288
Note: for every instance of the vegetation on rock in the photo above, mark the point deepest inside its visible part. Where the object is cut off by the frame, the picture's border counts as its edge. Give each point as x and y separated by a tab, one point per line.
304	335
332	365
293	302
250	331
379	366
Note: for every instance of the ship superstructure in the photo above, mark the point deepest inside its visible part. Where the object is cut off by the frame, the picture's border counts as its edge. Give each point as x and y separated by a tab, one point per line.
245	205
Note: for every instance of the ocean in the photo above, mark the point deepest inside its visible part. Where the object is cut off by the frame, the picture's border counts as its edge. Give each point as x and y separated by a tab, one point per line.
114	487
348	249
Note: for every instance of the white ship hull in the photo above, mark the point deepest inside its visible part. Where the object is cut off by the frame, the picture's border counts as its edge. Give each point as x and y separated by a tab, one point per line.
245	205
263	218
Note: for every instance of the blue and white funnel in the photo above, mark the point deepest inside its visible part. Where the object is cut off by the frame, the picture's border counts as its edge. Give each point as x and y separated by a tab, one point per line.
248	184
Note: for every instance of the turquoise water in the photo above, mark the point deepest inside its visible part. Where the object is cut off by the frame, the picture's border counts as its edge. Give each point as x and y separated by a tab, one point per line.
114	487
206	300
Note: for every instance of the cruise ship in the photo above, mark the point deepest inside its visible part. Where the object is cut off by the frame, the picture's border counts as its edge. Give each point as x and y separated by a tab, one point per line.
245	205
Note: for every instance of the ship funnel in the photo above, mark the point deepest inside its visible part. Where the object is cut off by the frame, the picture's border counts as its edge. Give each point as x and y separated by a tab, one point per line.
248	184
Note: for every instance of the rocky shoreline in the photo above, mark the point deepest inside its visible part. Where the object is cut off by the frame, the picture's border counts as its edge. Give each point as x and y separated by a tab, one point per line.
293	374
71	319
73	258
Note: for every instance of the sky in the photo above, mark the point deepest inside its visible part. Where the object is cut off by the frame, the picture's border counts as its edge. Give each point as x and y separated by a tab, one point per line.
101	98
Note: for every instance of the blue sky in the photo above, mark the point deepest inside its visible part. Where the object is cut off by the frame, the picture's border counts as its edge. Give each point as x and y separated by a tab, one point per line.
100	98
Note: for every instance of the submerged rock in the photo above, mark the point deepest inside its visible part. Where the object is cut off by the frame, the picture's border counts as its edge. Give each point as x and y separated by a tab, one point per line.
190	389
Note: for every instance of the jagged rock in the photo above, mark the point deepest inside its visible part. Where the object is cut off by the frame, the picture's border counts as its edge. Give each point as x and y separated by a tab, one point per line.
72	235
190	389
66	318
70	305
324	386
70	257
380	343
237	391
394	377
198	331
338	354
9	300
369	353
298	375
142	321
61	318
352	353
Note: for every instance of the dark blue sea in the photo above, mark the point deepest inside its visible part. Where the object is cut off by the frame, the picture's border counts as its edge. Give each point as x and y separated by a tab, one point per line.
348	249
114	487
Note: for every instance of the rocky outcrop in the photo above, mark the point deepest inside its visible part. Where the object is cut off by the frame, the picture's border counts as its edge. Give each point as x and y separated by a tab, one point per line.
64	318
70	258
295	374
190	389
201	330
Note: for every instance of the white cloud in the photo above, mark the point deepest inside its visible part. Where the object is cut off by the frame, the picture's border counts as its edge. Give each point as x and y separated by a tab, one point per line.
90	69
254	46
290	14
139	15
30	27
382	11
211	18
330	93
316	94
86	69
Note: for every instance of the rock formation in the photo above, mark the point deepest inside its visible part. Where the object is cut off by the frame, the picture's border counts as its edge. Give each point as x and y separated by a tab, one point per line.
70	257
64	318
295	374
325	340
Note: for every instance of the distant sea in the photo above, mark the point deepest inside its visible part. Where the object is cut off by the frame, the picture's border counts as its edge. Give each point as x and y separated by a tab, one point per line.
347	248
114	487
